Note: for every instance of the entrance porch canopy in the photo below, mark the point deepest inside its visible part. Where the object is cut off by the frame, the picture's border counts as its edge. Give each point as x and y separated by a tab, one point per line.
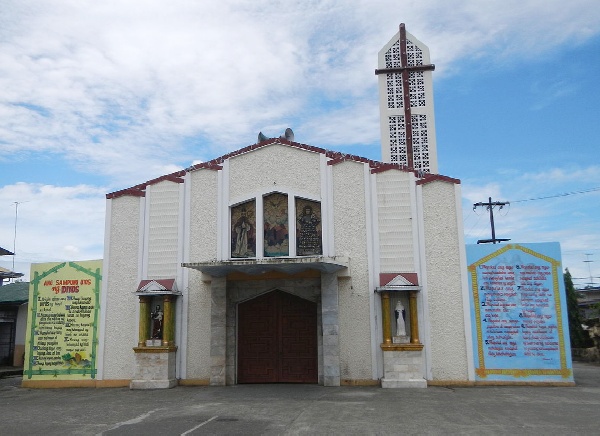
291	265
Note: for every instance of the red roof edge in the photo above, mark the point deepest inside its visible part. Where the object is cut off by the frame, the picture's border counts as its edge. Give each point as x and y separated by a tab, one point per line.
433	177
380	167
339	157
335	157
135	192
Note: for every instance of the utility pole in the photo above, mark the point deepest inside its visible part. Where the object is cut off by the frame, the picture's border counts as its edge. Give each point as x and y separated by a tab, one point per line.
589	262
15	238
490	207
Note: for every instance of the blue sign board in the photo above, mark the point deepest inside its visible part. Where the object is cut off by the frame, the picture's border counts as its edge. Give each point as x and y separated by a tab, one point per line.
518	313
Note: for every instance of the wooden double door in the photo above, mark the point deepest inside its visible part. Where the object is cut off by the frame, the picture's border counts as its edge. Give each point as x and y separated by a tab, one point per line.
277	340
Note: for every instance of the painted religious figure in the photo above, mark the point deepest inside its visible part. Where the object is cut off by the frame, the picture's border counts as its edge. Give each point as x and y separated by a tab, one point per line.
308	231
276	242
400	314
243	230
157	323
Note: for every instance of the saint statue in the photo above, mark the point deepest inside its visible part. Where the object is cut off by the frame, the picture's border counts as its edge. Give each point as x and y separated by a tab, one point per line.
157	323
400	319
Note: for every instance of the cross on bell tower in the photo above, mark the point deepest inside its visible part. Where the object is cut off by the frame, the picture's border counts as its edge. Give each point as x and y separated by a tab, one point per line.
406	103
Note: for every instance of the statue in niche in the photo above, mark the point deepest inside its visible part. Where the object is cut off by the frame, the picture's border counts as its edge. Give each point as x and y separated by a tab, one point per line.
157	323
400	313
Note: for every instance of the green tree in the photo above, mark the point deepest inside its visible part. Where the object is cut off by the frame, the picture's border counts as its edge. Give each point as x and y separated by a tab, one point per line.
579	338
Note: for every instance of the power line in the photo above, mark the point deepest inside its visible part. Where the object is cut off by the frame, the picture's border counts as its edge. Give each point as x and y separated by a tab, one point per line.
584	191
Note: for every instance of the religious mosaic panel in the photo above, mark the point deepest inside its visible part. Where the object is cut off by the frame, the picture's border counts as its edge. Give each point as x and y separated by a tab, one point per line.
276	242
308	227
243	230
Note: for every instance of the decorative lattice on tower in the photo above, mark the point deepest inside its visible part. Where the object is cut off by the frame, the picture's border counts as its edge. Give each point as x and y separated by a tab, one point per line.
406	103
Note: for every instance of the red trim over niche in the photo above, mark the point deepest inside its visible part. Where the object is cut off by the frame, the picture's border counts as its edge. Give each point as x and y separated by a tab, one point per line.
168	284
385	278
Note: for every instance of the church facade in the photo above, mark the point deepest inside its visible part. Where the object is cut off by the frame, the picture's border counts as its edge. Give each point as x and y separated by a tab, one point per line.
285	262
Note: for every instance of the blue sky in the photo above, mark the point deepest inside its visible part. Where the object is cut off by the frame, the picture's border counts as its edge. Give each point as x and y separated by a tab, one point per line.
99	96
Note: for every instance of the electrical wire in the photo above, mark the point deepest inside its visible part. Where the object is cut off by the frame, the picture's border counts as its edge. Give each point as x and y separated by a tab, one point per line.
584	191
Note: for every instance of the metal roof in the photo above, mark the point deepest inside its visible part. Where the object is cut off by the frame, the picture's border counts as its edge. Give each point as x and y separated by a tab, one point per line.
14	293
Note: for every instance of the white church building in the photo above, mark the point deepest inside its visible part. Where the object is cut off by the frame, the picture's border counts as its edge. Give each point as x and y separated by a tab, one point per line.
283	262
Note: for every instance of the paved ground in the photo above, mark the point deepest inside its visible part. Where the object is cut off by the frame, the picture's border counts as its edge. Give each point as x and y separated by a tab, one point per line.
304	409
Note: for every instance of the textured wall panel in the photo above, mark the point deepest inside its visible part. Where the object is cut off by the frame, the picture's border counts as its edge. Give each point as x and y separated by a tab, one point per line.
121	323
354	293
395	222
162	230
444	288
275	167
202	247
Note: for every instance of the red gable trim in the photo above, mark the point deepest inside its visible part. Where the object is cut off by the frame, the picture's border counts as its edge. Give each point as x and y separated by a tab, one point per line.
140	190
135	192
168	284
334	156
433	177
385	278
380	167
411	277
337	157
174	177
211	165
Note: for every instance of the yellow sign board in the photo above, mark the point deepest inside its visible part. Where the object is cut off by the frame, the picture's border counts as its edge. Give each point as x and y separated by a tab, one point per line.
62	326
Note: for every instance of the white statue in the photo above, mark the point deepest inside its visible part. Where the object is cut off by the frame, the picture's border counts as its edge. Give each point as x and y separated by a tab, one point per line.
400	319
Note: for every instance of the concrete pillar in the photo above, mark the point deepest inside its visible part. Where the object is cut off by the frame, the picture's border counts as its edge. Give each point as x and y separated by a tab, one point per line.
144	321
385	317
331	344
218	332
414	320
168	321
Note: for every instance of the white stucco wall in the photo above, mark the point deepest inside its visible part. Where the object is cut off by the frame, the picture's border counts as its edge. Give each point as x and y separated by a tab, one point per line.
395	223
21	327
274	168
202	247
350	224
121	311
162	200
350	189
448	350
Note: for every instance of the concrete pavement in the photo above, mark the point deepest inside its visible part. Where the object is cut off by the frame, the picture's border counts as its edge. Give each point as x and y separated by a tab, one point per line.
305	409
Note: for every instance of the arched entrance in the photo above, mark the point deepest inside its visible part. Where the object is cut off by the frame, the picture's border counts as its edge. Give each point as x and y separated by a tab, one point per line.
277	340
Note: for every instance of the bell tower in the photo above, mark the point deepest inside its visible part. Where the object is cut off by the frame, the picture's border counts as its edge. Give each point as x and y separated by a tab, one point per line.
406	103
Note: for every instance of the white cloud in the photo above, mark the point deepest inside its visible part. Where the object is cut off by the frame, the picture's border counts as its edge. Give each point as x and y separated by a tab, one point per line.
124	86
548	217
53	223
133	90
573	174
